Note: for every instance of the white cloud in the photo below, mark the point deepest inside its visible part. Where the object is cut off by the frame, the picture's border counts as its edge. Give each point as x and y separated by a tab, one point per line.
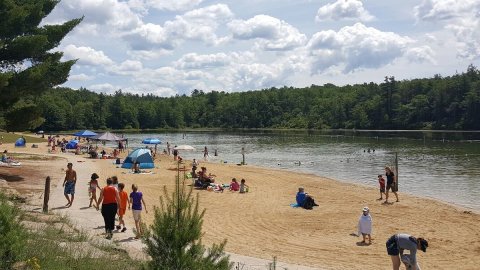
355	47
461	18
87	56
195	61
173	5
272	34
80	77
104	88
113	13
421	54
343	9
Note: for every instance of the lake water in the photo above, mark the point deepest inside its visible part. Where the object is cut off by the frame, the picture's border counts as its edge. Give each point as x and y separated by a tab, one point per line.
441	165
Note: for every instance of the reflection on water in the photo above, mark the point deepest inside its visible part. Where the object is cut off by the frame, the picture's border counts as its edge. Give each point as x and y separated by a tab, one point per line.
442	165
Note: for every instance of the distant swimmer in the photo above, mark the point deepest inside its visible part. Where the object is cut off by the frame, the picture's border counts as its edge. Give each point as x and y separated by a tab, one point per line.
298	163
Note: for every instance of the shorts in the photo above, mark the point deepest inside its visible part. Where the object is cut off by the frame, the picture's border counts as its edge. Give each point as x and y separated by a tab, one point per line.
392	247
121	212
137	215
392	187
382	189
69	187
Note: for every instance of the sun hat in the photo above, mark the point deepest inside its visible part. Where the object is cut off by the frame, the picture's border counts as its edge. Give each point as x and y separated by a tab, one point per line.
365	209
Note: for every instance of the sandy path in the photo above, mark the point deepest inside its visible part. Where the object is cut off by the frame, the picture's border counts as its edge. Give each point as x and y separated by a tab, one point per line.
262	224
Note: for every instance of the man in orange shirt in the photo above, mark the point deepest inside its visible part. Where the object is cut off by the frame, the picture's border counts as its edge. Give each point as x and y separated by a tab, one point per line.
123	206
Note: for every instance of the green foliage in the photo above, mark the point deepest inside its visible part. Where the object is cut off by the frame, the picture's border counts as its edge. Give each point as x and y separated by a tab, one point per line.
431	103
28	67
12	235
174	239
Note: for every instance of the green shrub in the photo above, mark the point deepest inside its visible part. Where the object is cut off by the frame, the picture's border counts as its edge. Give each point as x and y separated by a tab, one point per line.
12	234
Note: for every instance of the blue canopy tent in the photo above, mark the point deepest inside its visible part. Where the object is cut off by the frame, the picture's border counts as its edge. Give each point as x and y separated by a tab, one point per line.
20	142
72	144
140	155
85	133
151	141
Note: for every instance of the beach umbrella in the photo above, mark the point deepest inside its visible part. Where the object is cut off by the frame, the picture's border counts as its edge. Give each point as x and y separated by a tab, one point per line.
107	136
140	155
184	147
151	141
85	133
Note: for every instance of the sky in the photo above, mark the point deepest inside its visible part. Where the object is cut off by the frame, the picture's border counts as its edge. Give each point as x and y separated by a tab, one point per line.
171	47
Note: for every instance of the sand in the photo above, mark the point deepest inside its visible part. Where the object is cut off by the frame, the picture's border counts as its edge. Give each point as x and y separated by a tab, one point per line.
262	224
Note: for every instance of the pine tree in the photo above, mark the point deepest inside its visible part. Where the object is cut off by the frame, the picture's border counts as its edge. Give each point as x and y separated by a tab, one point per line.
174	239
28	67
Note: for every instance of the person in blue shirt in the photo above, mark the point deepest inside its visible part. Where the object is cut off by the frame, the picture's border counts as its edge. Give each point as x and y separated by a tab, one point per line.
304	200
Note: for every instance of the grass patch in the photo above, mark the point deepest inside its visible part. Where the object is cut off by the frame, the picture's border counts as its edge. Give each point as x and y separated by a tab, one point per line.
34	157
11	138
54	244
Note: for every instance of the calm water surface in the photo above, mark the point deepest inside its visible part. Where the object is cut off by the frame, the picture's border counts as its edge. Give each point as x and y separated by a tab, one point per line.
441	165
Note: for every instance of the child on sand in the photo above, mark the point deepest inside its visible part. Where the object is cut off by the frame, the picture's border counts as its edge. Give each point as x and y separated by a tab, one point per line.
136	200
381	182
365	225
243	187
92	189
234	186
123	206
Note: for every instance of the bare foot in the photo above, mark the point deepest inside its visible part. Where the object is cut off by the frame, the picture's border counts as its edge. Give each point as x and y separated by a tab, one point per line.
398	200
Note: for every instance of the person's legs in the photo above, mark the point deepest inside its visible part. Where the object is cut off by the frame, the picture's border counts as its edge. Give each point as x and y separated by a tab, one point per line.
395	262
369	238
71	200
363	235
105	218
396	195
68	199
386	194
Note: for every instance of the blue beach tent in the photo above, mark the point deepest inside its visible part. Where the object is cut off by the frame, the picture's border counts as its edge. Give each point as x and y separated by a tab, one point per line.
20	142
85	133
140	155
72	144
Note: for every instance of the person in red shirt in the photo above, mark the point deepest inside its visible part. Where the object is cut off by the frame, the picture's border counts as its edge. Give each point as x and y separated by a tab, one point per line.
381	182
110	199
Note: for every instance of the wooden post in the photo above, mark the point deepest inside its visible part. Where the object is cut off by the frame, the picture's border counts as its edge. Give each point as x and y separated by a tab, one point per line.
46	195
396	170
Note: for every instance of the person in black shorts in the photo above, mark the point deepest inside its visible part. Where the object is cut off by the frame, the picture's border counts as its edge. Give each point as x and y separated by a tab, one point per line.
391	180
396	245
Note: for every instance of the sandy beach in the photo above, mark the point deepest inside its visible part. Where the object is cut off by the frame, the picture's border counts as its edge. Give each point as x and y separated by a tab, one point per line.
262	224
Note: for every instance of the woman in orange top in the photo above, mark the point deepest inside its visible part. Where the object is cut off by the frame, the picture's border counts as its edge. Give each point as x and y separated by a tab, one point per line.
123	206
110	199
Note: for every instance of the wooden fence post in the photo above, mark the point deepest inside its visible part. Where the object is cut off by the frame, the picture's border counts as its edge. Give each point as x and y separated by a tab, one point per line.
46	195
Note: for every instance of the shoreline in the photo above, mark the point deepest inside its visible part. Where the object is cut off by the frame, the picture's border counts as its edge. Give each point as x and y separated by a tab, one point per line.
261	223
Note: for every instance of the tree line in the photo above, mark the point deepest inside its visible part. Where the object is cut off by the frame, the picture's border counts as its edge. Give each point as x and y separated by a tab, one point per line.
431	103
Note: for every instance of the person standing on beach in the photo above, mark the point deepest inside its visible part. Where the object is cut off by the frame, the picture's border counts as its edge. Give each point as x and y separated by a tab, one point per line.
168	148
381	182
92	189
123	206
391	179
365	226
110	200
205	153
69	184
136	200
397	243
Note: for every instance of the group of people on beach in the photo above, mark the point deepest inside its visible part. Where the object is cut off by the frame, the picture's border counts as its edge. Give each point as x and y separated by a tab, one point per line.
113	200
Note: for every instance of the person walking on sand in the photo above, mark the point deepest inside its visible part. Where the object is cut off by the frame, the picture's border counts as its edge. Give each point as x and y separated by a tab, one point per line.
92	189
136	200
110	199
397	243
381	182
365	225
391	180
123	206
69	184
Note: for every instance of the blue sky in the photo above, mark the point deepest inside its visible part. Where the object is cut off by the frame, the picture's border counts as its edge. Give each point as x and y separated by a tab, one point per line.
166	47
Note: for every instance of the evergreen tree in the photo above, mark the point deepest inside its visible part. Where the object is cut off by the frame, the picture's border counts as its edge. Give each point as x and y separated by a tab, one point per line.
174	239
28	67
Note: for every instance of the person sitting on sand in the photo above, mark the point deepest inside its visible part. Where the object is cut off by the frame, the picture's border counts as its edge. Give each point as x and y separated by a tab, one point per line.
234	186
136	167
397	243
243	187
304	200
5	158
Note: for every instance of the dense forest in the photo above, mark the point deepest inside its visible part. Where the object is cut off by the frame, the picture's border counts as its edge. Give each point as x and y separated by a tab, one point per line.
431	103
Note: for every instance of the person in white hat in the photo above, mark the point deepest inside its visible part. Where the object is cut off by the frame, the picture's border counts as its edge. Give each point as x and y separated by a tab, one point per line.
365	225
